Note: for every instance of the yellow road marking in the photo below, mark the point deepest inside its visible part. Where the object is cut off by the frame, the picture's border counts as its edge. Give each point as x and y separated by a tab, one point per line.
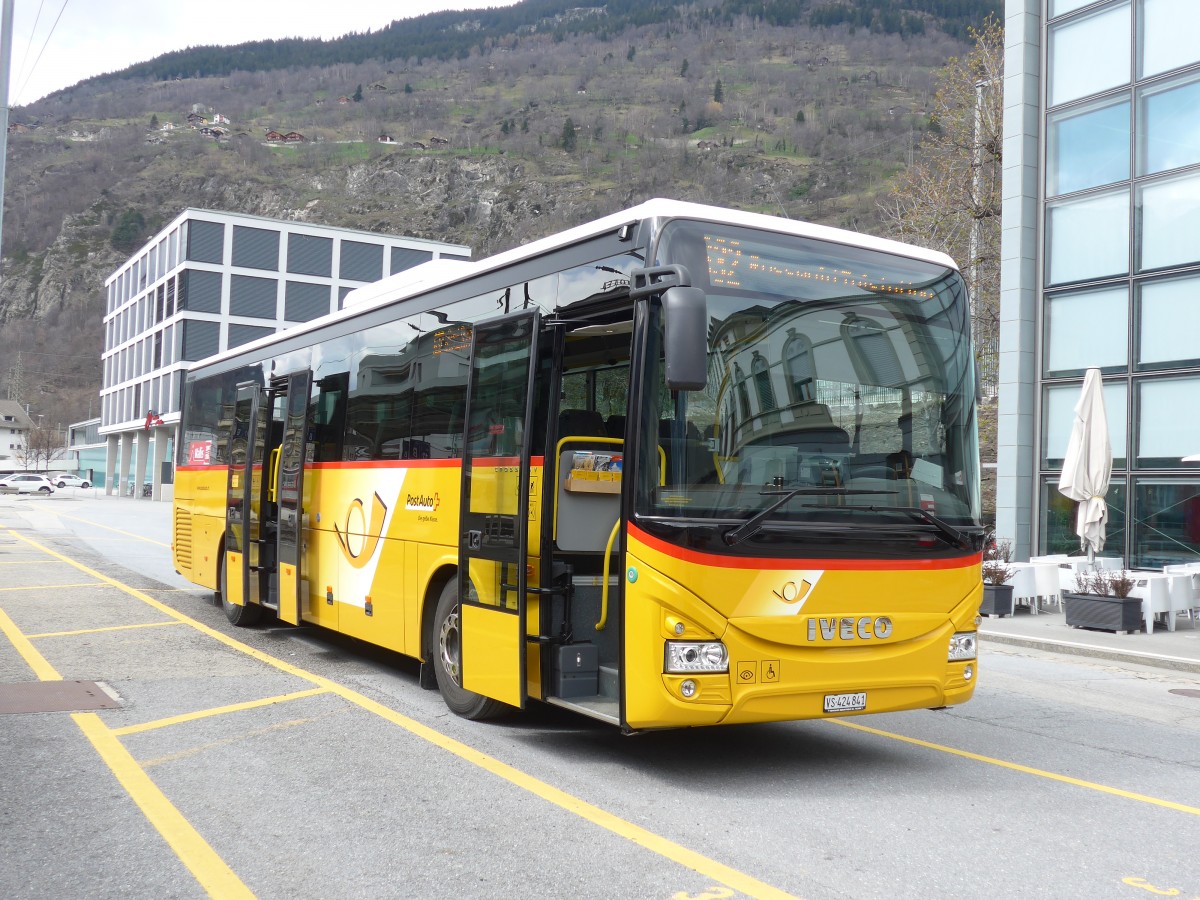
1028	770
47	587
110	528
193	851
668	849
218	711
50	634
41	667
224	742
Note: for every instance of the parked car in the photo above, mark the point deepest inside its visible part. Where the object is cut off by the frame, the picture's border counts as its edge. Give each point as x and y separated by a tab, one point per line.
26	483
63	481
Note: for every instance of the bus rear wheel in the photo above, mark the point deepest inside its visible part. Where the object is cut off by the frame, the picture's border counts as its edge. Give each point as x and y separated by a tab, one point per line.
242	616
447	666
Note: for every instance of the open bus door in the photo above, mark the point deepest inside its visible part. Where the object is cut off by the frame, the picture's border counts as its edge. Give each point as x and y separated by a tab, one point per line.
493	552
288	482
264	527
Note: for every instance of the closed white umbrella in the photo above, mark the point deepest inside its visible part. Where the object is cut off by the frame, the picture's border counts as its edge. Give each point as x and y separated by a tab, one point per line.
1087	465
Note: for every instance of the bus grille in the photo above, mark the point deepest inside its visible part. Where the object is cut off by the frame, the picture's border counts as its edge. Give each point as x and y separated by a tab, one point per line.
183	539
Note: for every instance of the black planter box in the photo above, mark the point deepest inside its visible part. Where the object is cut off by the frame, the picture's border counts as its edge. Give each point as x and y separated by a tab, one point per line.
1103	613
997	600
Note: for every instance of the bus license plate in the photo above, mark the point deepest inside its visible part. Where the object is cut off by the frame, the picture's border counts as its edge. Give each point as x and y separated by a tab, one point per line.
845	702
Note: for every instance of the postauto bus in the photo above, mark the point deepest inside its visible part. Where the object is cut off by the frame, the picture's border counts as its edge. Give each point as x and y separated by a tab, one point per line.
680	466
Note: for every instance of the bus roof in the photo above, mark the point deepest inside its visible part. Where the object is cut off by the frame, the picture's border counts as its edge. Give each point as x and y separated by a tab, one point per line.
440	272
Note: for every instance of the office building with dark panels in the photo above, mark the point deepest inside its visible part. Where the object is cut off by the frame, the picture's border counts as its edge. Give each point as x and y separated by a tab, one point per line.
207	282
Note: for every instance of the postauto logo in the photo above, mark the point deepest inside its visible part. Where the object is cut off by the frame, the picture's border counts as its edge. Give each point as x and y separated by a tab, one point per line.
422	502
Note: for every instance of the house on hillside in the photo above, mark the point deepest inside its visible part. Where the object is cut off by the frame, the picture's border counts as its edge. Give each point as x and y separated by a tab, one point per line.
343	99
377	86
219	119
294	137
386	139
195	119
439	141
274	136
167	126
19	128
15	425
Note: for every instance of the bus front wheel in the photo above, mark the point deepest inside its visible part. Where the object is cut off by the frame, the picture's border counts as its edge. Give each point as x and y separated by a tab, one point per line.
242	616
447	651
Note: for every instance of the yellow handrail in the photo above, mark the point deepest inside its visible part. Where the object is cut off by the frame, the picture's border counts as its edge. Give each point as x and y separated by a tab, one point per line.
272	474
604	575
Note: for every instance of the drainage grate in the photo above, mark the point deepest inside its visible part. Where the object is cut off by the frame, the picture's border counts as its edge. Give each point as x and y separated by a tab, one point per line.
1185	692
54	696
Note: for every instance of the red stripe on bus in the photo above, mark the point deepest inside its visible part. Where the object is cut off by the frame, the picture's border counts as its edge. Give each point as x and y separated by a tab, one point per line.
736	562
483	462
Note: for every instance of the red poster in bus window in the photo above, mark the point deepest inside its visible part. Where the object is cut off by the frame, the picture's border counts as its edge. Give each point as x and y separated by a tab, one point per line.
199	453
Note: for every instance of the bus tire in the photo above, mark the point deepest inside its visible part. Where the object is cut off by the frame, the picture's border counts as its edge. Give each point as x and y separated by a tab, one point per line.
447	650
242	616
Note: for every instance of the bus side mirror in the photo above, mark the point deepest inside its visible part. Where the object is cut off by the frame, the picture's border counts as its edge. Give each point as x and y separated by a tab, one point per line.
685	327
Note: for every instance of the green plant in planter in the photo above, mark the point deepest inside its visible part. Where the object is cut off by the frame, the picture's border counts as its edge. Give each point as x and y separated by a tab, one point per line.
1101	600
997	573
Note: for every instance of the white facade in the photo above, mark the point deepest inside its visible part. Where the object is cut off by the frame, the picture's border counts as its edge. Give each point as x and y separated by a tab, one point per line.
1101	267
210	281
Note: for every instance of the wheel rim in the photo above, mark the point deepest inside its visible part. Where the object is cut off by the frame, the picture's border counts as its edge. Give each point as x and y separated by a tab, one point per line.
448	647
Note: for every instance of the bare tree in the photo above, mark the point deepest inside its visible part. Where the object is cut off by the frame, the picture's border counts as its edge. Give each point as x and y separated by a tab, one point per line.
43	444
949	197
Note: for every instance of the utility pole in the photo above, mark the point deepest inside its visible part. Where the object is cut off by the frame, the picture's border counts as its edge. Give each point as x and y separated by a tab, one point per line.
6	26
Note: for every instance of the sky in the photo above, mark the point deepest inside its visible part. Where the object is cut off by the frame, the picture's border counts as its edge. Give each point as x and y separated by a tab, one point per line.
57	43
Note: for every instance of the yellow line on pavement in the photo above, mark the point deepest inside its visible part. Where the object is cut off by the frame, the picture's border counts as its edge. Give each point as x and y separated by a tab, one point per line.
218	711
47	587
110	528
1017	767
41	667
50	634
732	878
193	851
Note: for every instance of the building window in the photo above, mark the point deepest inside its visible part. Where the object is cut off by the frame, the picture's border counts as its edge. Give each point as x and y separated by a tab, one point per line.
1058	414
1168	323
309	255
253	297
255	248
405	258
200	291
1166	522
205	241
798	364
760	369
1166	43
1087	237
244	334
304	301
1089	54
1087	329
361	262
1057	513
1087	146
1168	216
200	339
1165	431
1168	127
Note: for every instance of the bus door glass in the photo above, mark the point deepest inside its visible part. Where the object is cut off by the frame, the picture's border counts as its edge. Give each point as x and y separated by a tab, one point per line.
288	482
243	498
495	508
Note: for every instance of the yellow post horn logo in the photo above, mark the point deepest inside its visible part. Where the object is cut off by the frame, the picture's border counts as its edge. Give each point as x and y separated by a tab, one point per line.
370	537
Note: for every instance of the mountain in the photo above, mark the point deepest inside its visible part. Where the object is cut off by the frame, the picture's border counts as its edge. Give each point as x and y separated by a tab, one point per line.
487	128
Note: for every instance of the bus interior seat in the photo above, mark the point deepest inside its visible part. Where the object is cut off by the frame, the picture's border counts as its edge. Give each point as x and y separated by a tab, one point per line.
581	423
615	425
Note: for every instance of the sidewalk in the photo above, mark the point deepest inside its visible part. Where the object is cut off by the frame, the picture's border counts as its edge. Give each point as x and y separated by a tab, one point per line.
137	533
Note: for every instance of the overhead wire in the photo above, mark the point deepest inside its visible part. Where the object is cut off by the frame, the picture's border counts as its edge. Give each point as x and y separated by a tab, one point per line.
33	68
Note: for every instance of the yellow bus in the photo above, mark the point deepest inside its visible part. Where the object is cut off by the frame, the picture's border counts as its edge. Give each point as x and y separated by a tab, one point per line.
680	466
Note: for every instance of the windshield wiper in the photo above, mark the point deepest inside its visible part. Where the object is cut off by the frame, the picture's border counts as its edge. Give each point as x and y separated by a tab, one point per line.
754	523
964	539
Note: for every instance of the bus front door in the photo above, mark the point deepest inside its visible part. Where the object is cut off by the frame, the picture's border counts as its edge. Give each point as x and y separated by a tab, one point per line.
493	550
241	587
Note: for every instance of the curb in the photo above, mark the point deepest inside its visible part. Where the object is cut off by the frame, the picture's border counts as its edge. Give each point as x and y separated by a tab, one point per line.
1175	663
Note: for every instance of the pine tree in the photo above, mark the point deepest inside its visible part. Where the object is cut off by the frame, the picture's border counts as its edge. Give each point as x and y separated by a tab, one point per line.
568	136
718	92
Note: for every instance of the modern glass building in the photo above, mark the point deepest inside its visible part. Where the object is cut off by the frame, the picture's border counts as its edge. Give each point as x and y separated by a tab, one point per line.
207	282
1101	267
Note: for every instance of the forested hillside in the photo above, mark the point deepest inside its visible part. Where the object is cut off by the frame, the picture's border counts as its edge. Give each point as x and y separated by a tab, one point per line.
487	128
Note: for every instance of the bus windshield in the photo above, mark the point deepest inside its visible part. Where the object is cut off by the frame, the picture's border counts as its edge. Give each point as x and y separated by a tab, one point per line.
844	372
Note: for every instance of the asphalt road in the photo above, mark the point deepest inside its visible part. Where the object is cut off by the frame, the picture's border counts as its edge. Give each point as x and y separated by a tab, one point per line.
283	762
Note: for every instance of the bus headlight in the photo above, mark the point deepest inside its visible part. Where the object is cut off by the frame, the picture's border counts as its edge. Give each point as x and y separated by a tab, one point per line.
962	646
696	656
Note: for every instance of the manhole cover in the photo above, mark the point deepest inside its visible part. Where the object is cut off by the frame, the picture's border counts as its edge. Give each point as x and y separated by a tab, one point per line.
1185	692
54	696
